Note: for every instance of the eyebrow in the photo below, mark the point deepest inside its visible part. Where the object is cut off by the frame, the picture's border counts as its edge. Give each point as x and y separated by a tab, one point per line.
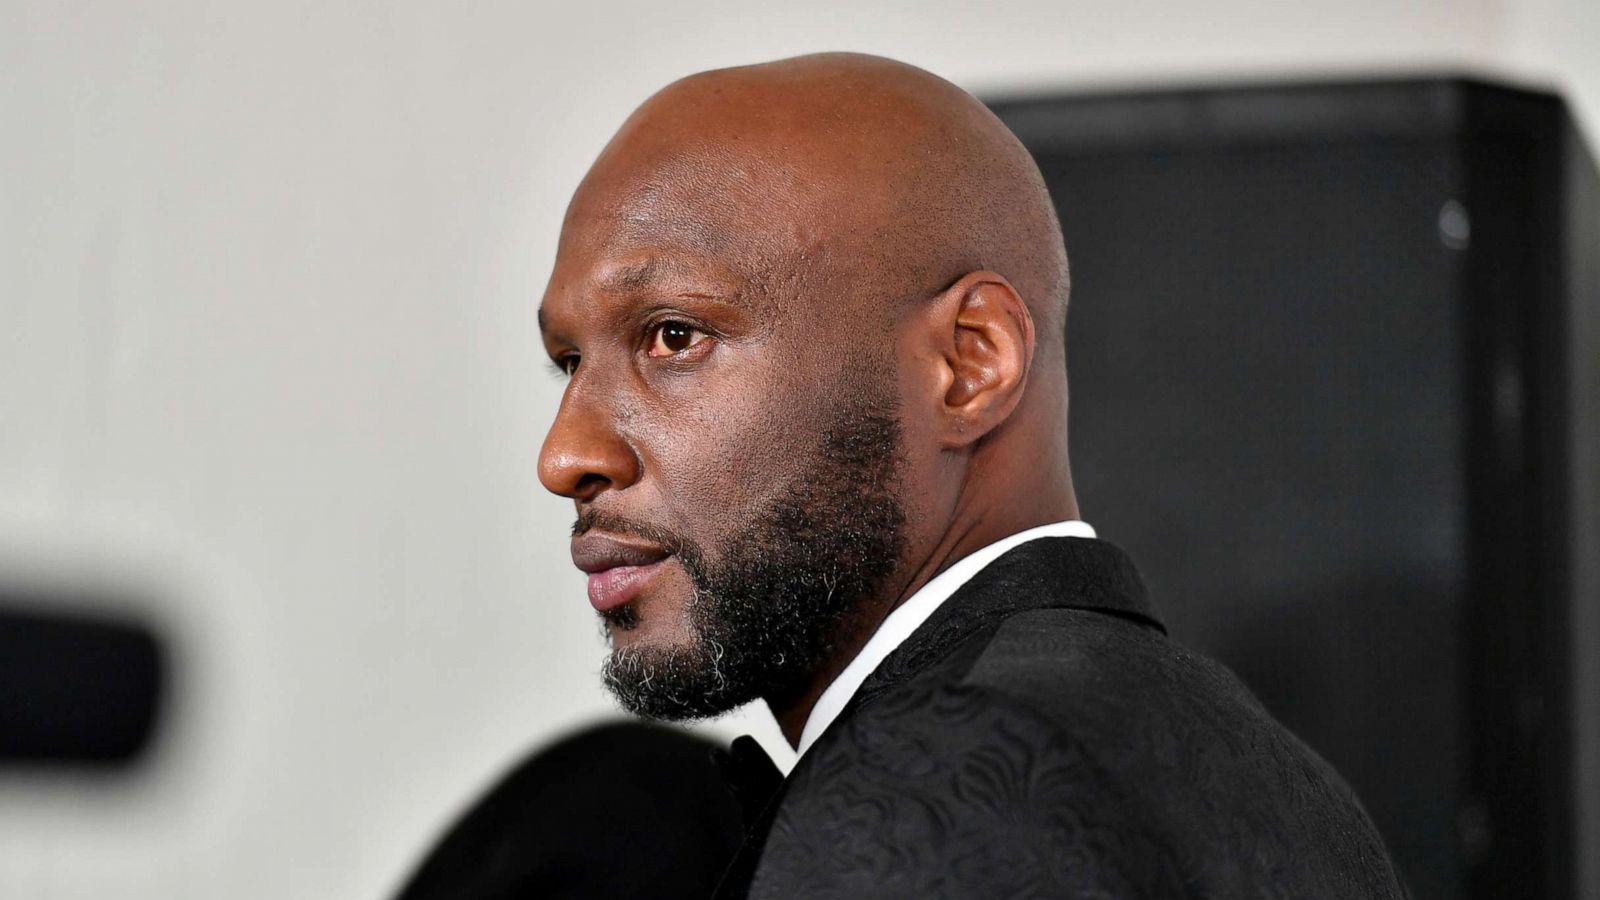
632	276
637	276
654	272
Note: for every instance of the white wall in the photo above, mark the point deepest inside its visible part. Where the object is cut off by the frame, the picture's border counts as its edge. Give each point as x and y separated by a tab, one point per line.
267	353
1557	43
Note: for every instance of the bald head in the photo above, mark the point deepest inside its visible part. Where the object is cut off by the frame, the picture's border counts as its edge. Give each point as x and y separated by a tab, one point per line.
811	314
870	176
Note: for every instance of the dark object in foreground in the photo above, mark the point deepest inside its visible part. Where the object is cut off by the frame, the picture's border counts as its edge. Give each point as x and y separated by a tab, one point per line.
76	688
620	810
1335	364
1040	736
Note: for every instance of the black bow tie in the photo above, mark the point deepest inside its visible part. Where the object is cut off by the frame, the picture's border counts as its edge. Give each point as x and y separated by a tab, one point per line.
751	775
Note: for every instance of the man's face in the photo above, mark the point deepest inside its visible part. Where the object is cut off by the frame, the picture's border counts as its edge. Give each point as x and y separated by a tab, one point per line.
729	432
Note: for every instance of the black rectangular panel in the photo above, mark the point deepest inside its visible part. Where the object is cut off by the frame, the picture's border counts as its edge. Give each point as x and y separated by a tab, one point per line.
1330	349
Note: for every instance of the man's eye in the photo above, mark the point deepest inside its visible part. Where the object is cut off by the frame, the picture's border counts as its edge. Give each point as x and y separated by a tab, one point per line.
566	365
672	338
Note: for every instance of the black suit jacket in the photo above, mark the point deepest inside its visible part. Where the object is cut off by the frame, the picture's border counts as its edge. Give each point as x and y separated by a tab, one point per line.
1040	736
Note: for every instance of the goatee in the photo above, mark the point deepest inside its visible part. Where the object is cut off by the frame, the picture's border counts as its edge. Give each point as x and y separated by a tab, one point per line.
768	610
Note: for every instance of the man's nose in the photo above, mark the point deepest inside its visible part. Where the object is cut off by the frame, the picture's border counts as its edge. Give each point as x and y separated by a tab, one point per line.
584	454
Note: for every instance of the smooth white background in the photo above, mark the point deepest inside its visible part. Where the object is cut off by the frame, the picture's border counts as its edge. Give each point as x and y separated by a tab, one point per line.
269	367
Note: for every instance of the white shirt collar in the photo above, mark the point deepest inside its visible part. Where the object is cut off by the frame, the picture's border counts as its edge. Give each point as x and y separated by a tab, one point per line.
905	618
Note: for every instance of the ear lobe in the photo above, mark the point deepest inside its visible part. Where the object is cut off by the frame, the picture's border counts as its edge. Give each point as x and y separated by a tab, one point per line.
989	354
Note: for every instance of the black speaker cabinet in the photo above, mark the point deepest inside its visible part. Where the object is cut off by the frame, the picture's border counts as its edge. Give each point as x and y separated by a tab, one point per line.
1335	362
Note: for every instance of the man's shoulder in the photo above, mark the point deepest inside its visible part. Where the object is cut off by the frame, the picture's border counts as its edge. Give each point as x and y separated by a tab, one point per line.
942	785
1081	750
1136	706
1175	734
1084	675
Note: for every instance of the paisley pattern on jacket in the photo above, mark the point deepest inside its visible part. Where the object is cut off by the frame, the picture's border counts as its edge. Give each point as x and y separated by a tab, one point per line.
1040	736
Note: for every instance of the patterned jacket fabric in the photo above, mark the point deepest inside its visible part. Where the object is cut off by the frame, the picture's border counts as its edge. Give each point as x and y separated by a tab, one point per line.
1040	736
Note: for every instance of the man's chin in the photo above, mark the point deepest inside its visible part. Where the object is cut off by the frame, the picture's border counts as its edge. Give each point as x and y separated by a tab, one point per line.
670	681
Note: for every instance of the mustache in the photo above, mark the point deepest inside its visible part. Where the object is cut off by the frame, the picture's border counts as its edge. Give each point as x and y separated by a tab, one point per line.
665	538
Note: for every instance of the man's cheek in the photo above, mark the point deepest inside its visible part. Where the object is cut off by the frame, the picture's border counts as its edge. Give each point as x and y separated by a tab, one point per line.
738	460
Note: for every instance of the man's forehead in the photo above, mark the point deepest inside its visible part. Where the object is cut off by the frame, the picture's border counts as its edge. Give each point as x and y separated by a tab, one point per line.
656	270
630	250
705	196
730	224
776	180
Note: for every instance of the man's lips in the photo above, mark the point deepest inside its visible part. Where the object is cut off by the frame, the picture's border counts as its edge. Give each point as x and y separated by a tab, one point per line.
618	567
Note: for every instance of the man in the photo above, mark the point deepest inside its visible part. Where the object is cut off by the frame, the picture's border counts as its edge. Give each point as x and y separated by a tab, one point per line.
812	313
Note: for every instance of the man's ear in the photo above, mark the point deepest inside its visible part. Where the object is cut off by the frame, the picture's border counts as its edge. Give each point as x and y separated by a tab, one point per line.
985	335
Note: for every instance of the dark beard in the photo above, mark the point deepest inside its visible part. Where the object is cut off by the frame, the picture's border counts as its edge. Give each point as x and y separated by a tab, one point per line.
769	611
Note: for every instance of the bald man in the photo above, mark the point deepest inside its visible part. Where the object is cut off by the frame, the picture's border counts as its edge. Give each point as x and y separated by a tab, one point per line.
812	317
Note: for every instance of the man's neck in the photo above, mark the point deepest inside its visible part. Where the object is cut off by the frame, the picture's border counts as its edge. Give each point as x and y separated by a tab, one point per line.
966	535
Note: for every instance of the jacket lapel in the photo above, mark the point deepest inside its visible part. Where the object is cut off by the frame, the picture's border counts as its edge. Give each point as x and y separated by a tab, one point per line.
1047	573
